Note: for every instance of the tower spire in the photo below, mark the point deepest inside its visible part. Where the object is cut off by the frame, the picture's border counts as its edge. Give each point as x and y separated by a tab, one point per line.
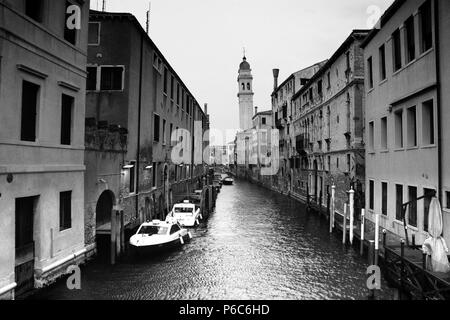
243	49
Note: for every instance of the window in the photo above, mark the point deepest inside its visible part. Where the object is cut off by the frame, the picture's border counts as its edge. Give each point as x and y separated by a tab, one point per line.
172	87
398	202
178	94
398	116
65	210
410	40
384	133
428	123
370	72
67	104
248	86
329	80
243	86
426	28
30	96
382	52
70	35
170	133
349	163
263	120
397	50
319	88
164	131
154	171
94	34
371	136
33	9
111	78
412	214
447	196
412	127
132	180
371	194
165	81
384	192
426	208
156	128
310	94
337	162
329	163
91	83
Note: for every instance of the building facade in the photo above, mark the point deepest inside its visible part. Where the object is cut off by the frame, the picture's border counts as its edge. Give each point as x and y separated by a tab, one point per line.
328	128
42	105
157	130
283	115
407	75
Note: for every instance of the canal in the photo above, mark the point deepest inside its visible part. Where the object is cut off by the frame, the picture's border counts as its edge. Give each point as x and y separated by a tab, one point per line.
256	245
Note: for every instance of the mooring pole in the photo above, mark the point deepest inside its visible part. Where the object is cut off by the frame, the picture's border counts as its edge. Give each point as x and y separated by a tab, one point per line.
351	209
333	194
377	237
371	254
344	224
402	269
361	244
113	237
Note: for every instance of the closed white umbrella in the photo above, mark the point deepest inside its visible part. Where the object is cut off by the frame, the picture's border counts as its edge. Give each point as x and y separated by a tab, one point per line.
435	245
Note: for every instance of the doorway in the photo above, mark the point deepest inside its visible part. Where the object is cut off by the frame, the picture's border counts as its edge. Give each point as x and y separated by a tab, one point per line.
24	262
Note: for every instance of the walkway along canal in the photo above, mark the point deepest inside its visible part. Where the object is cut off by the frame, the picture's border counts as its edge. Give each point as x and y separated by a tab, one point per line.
256	245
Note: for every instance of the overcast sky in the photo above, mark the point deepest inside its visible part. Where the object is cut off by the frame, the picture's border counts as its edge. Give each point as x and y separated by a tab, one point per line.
203	40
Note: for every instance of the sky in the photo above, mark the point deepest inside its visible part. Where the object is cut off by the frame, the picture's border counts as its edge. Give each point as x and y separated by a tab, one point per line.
203	40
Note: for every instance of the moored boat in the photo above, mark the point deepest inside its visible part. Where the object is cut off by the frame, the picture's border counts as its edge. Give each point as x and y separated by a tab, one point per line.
159	235
187	214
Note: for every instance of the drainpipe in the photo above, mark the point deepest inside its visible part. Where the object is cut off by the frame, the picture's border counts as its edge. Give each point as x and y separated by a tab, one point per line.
439	96
138	152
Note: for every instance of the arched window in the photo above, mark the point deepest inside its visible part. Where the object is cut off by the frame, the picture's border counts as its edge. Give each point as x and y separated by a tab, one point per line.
248	86
243	86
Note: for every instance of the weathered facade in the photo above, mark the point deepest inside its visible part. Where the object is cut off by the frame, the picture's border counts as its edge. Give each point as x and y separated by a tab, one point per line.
283	115
407	97
159	130
328	128
42	104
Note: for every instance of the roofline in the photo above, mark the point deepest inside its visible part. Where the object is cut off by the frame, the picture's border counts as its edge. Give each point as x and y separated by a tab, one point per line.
293	75
387	15
350	39
132	18
263	113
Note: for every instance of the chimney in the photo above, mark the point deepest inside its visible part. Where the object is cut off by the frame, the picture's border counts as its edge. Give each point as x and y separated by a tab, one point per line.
256	110
206	108
276	72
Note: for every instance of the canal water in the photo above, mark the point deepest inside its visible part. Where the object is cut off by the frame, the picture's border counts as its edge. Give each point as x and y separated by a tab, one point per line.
256	245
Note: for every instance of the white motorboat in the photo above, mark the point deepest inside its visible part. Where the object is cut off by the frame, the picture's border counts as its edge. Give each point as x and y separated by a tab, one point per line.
186	214
157	235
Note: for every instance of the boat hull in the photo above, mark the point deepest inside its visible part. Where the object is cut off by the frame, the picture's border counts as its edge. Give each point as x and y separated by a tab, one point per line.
158	248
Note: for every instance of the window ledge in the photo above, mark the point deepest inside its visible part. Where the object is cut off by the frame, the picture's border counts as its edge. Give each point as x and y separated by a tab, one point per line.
412	148
384	151
370	90
413	228
371	152
431	146
399	149
383	82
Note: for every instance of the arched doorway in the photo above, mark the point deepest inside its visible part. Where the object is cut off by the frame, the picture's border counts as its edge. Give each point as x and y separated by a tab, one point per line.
103	212
104	208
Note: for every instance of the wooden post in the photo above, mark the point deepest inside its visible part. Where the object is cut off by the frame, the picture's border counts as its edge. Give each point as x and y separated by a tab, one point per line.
344	224
333	193
402	269
351	209
384	237
361	245
377	237
122	232
118	241
113	237
370	257
413	240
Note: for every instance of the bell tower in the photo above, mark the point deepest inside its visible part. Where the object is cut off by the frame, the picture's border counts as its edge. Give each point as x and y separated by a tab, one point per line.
245	95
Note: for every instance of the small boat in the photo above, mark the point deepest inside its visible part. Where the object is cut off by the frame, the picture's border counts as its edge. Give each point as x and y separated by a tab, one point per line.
228	181
187	214
158	235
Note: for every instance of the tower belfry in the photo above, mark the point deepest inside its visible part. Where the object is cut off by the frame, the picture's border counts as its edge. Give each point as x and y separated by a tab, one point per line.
245	95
